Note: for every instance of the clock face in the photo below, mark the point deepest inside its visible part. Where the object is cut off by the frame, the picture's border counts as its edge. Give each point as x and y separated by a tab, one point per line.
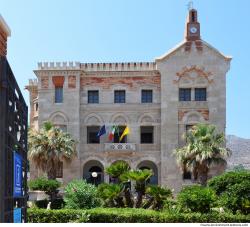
193	30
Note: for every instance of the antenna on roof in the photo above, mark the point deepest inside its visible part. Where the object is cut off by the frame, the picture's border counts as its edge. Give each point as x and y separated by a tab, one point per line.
190	5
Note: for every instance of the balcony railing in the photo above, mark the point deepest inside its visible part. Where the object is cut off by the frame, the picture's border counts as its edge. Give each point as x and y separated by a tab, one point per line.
119	147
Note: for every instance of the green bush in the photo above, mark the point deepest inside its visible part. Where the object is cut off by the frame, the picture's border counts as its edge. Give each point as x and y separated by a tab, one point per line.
196	198
130	215
43	184
79	194
221	183
237	198
54	216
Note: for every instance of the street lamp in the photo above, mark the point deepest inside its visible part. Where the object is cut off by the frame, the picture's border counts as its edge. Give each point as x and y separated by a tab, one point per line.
94	175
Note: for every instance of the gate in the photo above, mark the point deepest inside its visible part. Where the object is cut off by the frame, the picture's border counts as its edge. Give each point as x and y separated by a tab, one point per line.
13	148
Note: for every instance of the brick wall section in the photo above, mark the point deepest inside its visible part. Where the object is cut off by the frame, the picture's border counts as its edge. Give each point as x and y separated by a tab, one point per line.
58	81
3	43
132	82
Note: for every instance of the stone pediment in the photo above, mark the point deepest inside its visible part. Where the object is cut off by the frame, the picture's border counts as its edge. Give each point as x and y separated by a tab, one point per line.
183	45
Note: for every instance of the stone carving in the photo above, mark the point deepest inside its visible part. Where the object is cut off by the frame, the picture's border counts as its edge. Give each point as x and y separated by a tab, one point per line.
93	121
193	73
131	82
193	116
45	82
72	82
120	120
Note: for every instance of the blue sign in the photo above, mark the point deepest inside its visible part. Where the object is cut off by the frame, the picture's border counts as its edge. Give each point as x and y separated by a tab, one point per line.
17	215
17	175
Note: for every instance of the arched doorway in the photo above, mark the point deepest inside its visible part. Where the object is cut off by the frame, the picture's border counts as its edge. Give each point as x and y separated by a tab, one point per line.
150	165
93	172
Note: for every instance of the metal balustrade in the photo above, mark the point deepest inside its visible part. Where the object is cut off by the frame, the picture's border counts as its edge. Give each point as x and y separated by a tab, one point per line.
119	147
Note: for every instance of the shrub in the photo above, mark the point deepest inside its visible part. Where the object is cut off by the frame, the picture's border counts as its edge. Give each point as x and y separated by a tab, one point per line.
129	215
221	183
43	184
79	194
196	198
55	216
237	197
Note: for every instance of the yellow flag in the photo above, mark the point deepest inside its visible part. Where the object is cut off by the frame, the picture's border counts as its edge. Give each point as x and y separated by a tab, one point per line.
125	132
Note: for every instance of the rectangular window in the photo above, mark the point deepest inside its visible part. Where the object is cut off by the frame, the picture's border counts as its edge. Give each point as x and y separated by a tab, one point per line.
58	94
59	170
147	134
93	96
92	134
200	94
146	96
120	96
184	94
118	134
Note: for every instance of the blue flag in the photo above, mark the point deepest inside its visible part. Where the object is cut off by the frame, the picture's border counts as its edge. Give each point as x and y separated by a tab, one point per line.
102	131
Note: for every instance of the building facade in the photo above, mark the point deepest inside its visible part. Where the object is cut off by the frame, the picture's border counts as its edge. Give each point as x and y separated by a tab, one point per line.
157	100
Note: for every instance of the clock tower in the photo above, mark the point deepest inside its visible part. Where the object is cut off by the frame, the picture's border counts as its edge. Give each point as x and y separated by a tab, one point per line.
192	26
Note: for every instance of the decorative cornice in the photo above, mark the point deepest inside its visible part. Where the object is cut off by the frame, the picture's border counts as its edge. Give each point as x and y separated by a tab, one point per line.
98	67
123	66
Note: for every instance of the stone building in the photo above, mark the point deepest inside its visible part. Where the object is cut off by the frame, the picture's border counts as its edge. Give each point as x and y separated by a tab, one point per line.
157	100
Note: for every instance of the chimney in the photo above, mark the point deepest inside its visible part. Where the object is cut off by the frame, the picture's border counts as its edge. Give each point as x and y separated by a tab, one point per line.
4	34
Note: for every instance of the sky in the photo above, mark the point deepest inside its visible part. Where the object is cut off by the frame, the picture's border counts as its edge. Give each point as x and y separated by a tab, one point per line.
129	30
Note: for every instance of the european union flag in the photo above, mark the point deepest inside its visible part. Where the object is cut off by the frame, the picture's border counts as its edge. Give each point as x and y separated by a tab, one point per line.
102	131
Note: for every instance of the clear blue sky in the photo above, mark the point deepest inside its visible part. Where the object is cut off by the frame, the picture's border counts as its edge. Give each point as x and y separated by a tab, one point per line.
129	30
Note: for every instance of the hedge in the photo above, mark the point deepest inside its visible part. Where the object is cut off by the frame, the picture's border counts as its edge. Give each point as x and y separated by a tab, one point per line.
130	215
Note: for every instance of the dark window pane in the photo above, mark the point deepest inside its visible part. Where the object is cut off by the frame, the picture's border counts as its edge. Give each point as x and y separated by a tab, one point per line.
147	134
92	134
120	96
93	96
118	134
58	94
200	94
185	94
146	96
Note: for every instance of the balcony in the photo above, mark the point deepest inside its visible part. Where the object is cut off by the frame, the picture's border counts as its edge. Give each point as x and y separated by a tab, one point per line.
122	147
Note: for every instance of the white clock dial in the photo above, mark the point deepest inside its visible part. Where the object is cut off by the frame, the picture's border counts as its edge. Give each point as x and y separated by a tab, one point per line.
193	29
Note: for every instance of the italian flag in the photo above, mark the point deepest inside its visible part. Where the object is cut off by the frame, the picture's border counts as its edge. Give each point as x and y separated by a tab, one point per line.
112	133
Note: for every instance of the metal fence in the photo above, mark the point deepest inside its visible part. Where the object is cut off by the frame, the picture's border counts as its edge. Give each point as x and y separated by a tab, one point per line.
13	142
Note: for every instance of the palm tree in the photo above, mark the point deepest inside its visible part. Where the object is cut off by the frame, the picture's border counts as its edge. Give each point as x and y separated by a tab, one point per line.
49	146
140	177
204	147
118	170
111	194
158	195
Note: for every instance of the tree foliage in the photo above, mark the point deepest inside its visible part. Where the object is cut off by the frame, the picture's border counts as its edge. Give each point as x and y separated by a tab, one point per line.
49	146
204	147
